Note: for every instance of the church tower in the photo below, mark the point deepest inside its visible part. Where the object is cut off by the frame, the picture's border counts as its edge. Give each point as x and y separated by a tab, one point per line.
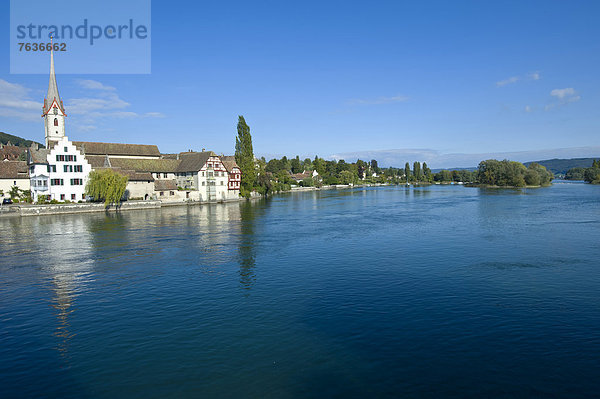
53	111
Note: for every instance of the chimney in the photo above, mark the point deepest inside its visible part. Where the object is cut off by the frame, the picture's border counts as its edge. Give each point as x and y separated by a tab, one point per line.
203	149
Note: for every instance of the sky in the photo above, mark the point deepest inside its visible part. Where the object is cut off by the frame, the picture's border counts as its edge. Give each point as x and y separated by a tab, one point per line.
340	79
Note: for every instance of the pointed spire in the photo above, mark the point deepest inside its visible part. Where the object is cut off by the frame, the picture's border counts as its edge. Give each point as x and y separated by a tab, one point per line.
52	86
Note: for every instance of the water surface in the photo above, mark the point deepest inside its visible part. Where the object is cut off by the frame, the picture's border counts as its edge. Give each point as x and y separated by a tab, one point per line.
441	291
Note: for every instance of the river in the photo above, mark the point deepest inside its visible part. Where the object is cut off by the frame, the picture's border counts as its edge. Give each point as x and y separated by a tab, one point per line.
429	292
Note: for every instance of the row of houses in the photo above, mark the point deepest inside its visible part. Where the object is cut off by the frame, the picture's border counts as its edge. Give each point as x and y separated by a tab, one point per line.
61	170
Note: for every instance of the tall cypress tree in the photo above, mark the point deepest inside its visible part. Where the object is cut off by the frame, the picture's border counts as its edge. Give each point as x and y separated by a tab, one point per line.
244	156
407	171
417	170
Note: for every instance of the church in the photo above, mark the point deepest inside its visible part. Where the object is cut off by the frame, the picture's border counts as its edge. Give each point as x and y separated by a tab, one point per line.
60	171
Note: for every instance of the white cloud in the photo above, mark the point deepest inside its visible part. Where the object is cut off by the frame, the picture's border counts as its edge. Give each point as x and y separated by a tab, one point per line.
528	108
105	102
379	100
94	85
16	103
564	96
505	82
514	79
562	93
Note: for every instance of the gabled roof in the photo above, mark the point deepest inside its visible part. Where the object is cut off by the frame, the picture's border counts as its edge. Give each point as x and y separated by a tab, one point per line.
93	148
193	161
13	170
165	185
229	162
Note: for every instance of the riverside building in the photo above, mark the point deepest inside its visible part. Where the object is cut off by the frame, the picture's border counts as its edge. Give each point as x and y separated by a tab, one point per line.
60	171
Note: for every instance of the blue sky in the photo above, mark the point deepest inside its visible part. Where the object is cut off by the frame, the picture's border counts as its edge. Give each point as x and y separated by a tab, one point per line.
340	77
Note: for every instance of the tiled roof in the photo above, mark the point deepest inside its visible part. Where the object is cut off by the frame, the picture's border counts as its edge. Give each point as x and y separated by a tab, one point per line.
92	148
13	170
146	165
229	162
38	156
301	176
132	175
193	161
11	152
96	161
165	185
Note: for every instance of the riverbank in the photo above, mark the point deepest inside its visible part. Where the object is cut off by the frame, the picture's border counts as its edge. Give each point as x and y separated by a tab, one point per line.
23	210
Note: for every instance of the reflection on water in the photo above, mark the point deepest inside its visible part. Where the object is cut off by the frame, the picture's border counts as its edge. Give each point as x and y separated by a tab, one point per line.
247	253
64	249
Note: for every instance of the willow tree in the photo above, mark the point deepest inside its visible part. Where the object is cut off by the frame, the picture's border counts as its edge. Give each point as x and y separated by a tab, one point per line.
244	156
106	185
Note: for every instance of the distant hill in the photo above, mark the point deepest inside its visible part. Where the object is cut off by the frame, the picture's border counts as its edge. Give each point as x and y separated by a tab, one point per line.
560	166
16	140
471	169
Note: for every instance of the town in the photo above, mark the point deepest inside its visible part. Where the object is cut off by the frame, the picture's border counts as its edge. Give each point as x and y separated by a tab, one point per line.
60	171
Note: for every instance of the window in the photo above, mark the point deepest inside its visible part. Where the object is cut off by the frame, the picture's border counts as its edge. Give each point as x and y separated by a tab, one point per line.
55	121
202	173
162	193
171	193
222	182
77	182
165	175
56	182
62	197
73	197
78	168
203	183
53	168
68	168
66	149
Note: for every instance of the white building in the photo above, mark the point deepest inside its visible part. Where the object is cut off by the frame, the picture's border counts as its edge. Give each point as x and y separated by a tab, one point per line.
60	171
203	171
13	174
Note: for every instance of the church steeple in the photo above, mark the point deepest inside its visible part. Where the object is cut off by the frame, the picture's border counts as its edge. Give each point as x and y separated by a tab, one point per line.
53	111
52	86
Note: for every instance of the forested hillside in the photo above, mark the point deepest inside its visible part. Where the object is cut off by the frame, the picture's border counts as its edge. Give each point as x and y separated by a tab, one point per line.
15	140
560	166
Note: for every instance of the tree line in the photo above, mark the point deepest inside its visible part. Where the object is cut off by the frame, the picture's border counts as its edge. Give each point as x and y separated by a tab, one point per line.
589	175
277	174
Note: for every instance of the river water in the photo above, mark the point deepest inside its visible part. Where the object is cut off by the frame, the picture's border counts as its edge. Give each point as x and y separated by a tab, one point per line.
440	291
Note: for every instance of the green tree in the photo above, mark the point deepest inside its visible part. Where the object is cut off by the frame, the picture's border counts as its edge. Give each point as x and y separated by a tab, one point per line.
296	165
106	185
347	177
417	170
14	193
244	156
407	171
592	175
427	173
